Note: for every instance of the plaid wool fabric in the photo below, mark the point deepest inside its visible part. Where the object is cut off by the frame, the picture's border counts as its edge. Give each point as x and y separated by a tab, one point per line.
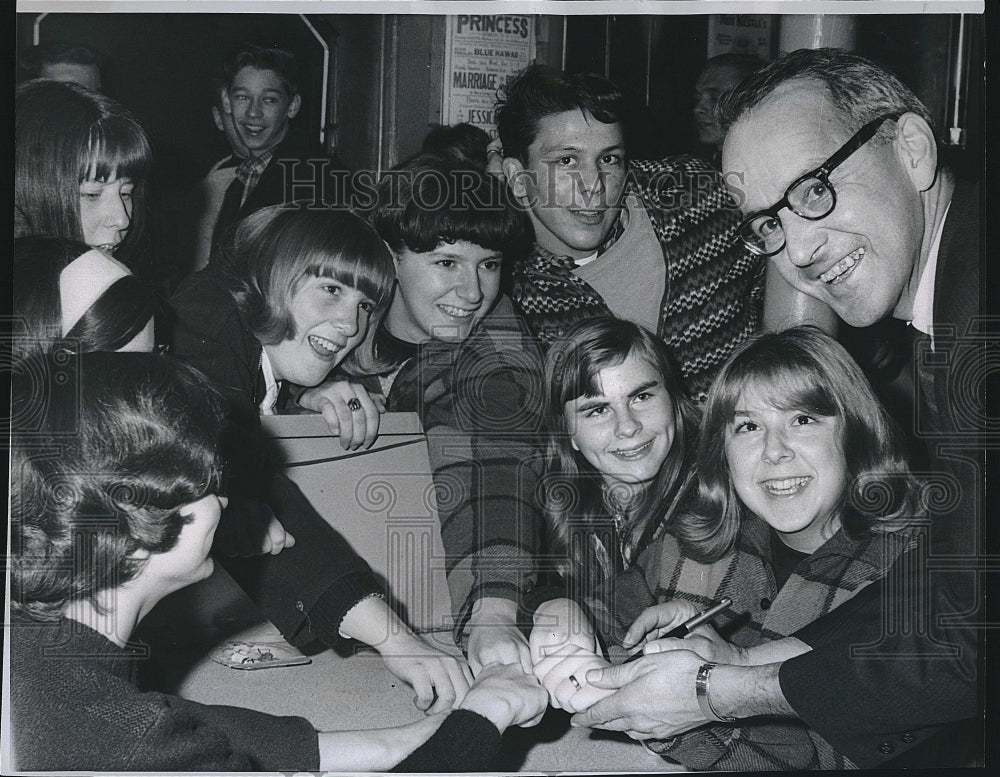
713	296
760	613
480	404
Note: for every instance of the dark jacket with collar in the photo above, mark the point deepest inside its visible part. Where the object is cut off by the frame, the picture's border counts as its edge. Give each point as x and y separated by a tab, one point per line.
299	172
213	334
906	679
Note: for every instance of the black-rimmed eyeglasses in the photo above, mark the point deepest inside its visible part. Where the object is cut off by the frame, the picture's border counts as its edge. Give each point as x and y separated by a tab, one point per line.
810	196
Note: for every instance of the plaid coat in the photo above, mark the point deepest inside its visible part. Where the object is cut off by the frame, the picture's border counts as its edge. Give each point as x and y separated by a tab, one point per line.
480	403
822	582
713	295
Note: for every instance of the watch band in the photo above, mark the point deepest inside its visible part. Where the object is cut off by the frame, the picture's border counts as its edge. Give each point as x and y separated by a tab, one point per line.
701	691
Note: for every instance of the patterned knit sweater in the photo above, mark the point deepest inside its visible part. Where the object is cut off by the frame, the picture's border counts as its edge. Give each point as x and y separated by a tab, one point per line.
760	613
713	295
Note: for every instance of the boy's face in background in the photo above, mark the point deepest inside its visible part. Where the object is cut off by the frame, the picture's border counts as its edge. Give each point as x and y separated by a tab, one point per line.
261	108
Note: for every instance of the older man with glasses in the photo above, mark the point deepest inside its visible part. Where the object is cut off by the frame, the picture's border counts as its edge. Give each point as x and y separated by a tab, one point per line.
835	164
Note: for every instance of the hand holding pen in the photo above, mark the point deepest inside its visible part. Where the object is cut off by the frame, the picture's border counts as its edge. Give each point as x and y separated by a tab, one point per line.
681	631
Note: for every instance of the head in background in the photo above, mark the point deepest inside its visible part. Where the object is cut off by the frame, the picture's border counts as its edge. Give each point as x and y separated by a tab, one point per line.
451	229
82	162
564	154
260	90
463	144
66	291
131	491
720	73
311	283
793	433
59	61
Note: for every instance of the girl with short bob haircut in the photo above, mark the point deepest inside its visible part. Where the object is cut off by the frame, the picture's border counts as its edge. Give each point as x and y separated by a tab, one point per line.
66	139
290	298
65	290
274	249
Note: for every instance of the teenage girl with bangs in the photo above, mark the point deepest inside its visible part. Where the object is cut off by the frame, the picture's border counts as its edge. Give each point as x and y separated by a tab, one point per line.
291	298
82	164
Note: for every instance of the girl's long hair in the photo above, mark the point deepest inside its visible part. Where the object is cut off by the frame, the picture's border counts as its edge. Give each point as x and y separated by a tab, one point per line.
65	134
573	492
799	369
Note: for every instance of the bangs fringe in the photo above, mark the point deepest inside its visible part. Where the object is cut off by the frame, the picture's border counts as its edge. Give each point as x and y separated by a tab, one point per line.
357	272
786	387
116	148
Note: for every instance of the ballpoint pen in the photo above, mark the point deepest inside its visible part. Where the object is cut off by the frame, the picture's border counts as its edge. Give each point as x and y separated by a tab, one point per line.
691	624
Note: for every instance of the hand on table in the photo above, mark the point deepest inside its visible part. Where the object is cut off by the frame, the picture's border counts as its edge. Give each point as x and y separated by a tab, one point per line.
439	680
494	637
563	647
652	697
357	428
564	675
506	696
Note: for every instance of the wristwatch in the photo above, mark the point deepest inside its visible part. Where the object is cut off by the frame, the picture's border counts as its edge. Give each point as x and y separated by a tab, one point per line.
701	691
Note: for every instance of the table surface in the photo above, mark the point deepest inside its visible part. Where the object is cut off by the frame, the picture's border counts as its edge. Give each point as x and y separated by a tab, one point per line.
343	691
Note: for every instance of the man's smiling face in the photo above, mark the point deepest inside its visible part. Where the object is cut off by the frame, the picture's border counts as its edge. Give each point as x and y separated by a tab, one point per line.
862	259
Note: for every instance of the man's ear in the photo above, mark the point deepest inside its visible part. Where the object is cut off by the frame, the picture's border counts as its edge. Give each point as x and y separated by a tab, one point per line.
294	105
217	118
227	104
140	554
916	149
515	174
572	442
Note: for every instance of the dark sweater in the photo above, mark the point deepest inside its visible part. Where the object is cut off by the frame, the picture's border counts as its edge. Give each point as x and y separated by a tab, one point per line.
75	706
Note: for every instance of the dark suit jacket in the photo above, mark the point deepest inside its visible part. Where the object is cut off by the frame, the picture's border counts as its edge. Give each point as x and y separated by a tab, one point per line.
885	674
299	172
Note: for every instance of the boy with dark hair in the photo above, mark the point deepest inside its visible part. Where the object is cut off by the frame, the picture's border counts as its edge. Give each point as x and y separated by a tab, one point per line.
648	241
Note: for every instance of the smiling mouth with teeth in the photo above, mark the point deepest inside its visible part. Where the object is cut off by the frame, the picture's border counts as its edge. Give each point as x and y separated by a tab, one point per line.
839	272
456	312
324	345
633	453
786	486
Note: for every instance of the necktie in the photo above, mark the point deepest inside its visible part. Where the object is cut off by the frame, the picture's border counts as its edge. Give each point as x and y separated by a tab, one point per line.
229	212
